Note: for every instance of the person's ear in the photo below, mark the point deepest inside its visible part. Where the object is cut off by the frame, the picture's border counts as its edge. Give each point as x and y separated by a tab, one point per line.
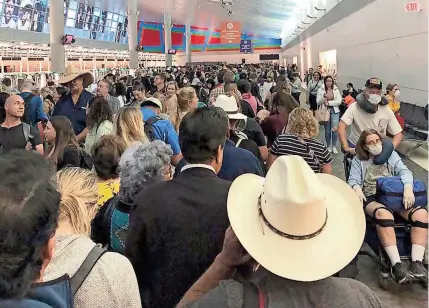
219	154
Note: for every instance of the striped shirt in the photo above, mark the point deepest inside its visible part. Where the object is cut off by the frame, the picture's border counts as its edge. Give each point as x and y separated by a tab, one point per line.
313	151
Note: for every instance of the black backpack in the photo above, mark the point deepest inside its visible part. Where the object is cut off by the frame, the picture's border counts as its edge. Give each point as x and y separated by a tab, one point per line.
149	129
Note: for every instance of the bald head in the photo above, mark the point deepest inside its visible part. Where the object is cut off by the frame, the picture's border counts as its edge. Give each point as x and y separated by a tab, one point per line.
14	99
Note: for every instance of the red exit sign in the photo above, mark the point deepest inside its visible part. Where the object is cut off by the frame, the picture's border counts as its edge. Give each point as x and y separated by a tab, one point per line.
413	6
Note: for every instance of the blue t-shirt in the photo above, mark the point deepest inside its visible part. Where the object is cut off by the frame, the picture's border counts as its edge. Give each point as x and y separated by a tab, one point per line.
76	113
35	111
163	130
237	161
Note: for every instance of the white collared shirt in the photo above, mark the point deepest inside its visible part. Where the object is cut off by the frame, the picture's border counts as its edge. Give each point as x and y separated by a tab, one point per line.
189	166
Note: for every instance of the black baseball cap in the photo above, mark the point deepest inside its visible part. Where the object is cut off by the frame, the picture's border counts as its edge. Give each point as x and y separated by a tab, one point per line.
374	83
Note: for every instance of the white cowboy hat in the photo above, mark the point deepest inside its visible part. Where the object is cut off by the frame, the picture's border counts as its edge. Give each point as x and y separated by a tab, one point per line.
229	104
297	224
72	73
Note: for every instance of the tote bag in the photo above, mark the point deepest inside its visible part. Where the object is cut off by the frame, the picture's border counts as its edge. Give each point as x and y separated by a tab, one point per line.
322	113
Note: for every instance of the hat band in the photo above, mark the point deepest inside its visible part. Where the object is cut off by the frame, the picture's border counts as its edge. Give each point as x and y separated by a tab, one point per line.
286	235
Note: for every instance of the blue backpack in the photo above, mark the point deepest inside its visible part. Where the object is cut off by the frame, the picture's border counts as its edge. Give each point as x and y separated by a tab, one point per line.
390	193
117	223
58	293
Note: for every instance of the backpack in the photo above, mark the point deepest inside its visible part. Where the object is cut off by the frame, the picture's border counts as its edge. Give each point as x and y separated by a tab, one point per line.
241	136
117	224
27	100
59	292
149	129
390	192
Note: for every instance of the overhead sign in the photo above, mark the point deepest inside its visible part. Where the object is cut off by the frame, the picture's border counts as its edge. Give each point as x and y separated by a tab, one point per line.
230	32
246	46
413	6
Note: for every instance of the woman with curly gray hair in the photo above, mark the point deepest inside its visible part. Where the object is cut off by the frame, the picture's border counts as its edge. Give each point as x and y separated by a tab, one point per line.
140	167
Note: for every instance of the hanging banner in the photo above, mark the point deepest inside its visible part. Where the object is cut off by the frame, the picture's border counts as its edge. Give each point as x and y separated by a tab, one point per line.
246	46
230	32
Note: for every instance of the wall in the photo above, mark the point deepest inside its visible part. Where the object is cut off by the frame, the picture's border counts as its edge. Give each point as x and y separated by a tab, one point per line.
380	40
222	56
150	35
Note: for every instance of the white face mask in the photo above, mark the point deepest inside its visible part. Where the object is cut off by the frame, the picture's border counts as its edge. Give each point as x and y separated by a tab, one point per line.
397	94
375	150
374	99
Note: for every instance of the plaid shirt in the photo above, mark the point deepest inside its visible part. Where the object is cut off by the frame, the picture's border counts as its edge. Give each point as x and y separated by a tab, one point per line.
218	90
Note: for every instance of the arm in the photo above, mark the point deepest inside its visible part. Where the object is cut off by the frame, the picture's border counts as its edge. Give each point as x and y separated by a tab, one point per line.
209	280
81	137
342	134
320	99
397	139
401	170
337	99
327	168
394	128
39	149
271	160
40	114
173	141
355	177
264	152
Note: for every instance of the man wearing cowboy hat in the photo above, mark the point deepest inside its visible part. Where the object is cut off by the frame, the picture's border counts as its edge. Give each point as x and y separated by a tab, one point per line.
295	229
73	105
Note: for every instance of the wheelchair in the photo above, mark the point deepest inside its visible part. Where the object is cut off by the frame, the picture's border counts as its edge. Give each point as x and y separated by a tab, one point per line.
403	241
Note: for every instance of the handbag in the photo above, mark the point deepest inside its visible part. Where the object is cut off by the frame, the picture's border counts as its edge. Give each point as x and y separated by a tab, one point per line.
390	193
322	114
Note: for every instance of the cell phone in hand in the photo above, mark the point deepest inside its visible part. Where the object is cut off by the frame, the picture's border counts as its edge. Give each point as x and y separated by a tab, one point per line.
32	141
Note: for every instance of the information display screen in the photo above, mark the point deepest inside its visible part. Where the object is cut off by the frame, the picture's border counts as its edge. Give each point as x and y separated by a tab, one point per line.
81	19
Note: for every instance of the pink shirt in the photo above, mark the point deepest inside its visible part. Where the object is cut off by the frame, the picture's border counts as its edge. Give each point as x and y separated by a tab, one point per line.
251	100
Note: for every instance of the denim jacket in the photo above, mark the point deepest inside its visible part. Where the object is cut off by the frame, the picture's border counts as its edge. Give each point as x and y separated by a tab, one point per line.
358	170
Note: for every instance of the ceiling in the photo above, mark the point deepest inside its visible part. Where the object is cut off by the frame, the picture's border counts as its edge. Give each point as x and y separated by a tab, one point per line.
260	17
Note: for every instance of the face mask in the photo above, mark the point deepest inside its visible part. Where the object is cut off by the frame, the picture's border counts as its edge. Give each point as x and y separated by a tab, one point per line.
185	80
397	95
374	99
375	150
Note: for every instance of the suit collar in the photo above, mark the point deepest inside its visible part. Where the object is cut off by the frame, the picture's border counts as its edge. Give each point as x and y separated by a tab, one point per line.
197	171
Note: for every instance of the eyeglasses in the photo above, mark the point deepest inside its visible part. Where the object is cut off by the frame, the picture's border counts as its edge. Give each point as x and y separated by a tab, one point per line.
376	142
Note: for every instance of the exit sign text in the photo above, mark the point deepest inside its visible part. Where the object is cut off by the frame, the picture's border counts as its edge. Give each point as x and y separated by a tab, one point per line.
413	6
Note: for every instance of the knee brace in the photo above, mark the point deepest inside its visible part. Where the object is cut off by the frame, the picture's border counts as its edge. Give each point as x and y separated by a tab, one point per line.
416	223
385	223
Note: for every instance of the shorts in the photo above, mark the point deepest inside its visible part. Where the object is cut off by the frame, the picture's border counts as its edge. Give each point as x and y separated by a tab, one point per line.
369	199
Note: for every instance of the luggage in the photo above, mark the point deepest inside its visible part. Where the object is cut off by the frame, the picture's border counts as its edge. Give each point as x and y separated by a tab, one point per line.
390	191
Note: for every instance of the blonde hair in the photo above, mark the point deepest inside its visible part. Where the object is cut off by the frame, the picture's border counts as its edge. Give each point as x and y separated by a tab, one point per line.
79	195
302	123
129	126
184	96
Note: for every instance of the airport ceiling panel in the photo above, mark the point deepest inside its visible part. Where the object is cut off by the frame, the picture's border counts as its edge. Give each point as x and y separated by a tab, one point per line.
260	17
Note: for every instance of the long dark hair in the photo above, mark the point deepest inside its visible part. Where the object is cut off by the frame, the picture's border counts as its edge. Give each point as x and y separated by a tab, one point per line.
99	112
325	79
64	137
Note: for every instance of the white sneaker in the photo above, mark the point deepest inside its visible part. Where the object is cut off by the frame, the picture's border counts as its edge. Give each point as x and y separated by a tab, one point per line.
329	149
334	150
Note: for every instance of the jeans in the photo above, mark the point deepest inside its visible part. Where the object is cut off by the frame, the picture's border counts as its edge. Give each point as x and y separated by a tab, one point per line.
331	127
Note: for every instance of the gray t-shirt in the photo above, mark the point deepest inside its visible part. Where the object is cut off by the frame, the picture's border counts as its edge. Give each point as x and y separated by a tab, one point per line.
281	293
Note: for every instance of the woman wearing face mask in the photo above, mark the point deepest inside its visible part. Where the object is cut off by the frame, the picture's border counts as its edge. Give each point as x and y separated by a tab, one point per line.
392	95
363	178
329	95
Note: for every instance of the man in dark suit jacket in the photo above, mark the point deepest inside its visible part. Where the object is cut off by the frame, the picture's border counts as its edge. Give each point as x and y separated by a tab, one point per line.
177	227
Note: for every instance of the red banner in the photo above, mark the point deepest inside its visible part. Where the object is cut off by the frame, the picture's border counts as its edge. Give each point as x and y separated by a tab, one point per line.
230	32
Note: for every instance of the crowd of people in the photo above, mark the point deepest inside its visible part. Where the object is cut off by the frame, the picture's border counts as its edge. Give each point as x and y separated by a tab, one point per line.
198	186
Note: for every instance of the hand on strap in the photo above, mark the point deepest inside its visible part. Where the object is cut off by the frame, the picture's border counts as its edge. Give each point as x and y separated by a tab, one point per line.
409	198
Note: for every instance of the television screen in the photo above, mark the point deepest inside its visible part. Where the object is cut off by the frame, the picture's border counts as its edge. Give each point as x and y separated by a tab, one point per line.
68	39
172	51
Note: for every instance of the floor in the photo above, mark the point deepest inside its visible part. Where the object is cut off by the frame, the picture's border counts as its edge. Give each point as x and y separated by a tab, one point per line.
410	296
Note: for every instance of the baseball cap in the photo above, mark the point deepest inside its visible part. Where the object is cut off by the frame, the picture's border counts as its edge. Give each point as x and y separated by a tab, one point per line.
152	101
373	83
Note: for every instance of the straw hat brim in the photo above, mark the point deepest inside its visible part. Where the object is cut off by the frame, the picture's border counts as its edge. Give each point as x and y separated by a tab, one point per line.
300	260
88	79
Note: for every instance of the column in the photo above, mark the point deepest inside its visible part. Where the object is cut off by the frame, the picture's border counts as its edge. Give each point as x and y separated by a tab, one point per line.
188	44
58	54
132	33
167	34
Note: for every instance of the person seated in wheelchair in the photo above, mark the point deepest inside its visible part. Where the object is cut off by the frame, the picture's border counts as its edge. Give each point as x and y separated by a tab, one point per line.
363	179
